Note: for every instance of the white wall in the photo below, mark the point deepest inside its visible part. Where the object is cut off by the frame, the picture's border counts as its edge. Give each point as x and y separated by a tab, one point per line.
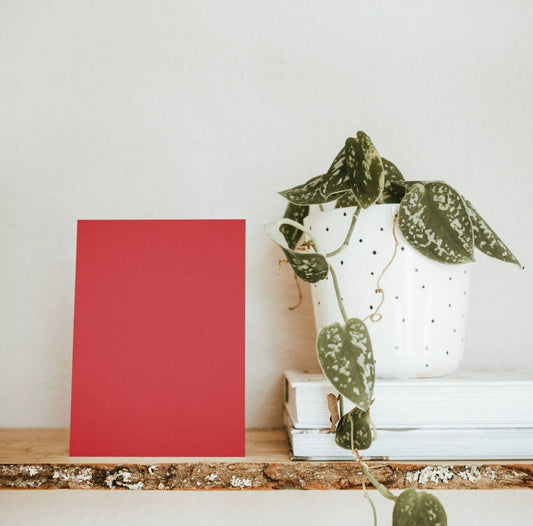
309	508
174	109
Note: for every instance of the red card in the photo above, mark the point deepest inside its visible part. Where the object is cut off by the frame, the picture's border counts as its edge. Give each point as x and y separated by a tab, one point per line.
158	365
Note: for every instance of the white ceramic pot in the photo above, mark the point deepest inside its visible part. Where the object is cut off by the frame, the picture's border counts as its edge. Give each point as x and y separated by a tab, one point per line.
423	323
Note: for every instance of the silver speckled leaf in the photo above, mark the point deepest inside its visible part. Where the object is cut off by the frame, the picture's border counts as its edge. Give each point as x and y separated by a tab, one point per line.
364	168
297	213
337	179
308	193
345	355
434	220
362	430
402	187
392	193
487	240
418	508
309	266
346	199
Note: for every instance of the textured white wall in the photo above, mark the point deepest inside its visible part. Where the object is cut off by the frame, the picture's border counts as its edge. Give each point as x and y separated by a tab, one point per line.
174	109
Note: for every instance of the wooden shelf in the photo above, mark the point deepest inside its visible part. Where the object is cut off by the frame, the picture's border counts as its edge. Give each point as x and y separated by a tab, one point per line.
38	459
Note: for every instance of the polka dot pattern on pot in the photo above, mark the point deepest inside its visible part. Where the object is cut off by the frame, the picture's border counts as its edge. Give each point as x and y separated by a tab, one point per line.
421	332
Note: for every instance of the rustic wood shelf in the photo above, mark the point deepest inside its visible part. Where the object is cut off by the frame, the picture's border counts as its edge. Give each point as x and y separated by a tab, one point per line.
38	459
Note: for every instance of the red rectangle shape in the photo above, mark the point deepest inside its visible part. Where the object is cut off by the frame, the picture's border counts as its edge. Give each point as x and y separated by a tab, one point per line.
158	360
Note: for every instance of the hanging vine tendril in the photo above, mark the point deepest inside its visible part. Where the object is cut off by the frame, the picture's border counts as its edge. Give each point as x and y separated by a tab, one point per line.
366	472
299	288
376	316
304	247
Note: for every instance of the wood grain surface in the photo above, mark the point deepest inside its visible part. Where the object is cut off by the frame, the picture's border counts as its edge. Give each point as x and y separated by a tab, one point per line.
39	459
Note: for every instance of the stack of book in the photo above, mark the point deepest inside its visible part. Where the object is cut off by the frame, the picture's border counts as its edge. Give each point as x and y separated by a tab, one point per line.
465	416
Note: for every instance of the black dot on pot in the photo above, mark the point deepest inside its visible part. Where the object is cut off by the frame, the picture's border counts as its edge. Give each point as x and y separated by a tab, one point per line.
447	352
319	302
464	293
360	241
371	307
450	278
342	262
381	229
416	270
449	304
432	321
427	348
371	273
465	271
396	347
310	228
397	297
403	320
455	330
403	248
374	252
427	365
327	229
423	286
344	214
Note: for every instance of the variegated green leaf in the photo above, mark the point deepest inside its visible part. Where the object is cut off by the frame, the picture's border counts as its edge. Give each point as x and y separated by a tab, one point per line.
345	355
364	168
362	430
337	179
309	266
392	193
308	193
402	187
418	508
297	213
487	240
434	220
347	199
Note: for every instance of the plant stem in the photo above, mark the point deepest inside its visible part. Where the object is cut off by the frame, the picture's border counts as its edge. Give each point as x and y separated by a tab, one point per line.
341	405
374	513
338	293
346	241
380	487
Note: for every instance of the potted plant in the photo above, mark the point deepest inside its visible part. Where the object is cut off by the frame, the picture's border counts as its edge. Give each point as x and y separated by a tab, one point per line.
394	253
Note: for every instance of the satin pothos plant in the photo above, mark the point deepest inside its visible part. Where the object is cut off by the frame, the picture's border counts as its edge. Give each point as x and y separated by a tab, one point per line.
434	219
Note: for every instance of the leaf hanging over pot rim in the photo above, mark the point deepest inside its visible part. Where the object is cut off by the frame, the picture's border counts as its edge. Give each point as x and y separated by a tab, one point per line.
487	240
418	508
434	220
345	355
309	266
297	213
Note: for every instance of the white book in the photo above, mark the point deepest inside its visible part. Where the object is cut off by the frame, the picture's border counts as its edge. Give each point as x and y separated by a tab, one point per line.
462	400
419	444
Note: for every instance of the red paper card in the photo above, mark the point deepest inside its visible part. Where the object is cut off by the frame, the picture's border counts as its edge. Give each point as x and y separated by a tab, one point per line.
158	362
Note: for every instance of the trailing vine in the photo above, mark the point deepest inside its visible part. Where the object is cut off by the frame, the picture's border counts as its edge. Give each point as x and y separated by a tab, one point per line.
435	220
